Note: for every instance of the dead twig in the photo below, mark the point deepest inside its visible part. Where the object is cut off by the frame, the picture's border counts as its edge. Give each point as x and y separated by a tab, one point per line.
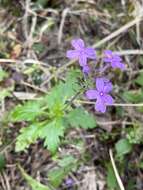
130	52
119	31
25	18
6	181
116	171
116	104
60	33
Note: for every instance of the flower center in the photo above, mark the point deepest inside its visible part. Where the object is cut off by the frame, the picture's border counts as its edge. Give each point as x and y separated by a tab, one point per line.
101	93
82	51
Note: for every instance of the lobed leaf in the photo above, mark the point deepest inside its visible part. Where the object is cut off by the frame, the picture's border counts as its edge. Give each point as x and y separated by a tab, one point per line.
139	79
79	117
51	133
66	165
27	112
52	125
133	96
64	91
35	185
3	74
28	136
123	147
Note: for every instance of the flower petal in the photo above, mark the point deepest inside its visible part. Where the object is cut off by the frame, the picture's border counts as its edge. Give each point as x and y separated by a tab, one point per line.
100	84
117	58
86	69
108	87
100	106
82	60
108	99
91	94
78	44
108	53
106	60
72	54
90	52
119	65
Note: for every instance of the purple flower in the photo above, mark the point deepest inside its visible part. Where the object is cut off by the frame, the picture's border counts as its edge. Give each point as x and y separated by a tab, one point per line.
81	52
114	59
69	182
86	69
103	87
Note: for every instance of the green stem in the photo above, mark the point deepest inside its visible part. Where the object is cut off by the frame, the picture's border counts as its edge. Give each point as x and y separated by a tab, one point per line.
73	98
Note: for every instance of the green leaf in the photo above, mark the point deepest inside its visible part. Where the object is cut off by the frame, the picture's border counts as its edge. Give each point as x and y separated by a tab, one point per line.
141	60
42	2
5	93
67	161
2	162
3	74
133	96
27	112
64	91
28	136
135	134
140	165
52	132
56	96
72	85
35	185
79	117
123	147
111	178
50	110
39	47
131	184
56	175
139	79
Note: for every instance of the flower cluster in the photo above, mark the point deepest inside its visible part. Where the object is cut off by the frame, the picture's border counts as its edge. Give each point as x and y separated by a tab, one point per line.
113	59
81	53
103	85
